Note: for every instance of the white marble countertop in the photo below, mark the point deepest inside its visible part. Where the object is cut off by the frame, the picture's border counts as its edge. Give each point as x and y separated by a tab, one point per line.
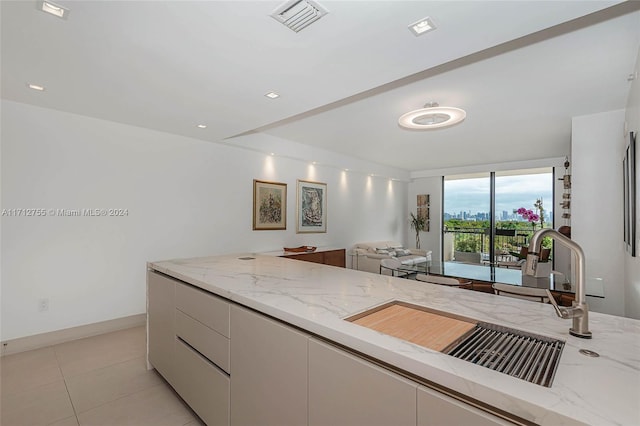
317	298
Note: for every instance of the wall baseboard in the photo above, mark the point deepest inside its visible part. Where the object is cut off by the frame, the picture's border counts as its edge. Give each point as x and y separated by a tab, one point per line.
38	341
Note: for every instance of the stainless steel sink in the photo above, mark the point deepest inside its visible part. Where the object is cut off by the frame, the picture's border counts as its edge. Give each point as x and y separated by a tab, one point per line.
519	354
523	355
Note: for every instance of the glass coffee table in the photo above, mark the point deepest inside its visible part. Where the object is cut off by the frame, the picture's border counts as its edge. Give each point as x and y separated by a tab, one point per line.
492	274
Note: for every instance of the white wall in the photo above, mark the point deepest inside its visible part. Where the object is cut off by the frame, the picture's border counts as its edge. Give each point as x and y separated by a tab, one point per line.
596	151
632	264
428	240
184	197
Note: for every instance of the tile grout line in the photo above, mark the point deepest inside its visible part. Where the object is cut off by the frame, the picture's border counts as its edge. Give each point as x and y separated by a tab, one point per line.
106	402
68	379
5	391
118	399
73	376
66	387
100	367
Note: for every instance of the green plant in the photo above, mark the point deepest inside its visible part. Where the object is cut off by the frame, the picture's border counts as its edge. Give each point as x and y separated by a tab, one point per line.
419	224
467	245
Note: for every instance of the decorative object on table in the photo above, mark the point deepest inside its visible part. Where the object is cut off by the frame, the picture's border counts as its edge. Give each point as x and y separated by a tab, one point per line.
311	208
630	195
565	204
423	209
301	249
269	205
417	223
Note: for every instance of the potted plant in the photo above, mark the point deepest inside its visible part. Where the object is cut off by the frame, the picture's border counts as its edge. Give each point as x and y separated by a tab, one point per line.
532	216
417	223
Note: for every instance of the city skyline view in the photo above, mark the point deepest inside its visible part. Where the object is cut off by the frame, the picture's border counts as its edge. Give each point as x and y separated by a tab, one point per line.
471	196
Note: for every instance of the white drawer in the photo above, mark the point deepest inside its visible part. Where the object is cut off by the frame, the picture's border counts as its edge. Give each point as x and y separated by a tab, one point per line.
201	385
210	310
208	342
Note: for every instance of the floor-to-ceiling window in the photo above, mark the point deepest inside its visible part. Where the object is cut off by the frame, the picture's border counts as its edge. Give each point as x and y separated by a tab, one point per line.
489	217
466	218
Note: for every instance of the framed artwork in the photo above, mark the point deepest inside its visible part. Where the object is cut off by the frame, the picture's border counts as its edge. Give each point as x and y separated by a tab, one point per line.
630	196
422	203
311	206
269	205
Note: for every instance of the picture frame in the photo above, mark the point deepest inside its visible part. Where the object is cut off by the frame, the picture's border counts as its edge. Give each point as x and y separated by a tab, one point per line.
269	205
422	204
630	195
311	207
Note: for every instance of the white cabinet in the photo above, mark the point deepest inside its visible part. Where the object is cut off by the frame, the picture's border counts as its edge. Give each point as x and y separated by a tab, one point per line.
202	385
438	409
202	321
189	344
348	390
268	371
160	323
202	353
209	309
235	366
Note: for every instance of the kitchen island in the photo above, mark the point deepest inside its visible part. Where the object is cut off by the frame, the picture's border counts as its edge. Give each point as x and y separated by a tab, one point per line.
304	306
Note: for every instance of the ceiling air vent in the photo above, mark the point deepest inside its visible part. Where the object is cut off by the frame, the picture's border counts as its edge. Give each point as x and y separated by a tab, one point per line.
299	14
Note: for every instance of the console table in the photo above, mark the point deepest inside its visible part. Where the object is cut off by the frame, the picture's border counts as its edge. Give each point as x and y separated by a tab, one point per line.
326	255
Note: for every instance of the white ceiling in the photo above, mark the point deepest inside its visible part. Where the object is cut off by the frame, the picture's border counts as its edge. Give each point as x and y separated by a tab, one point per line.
518	68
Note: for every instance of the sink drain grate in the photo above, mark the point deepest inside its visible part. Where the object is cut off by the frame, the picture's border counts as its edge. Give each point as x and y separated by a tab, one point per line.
525	356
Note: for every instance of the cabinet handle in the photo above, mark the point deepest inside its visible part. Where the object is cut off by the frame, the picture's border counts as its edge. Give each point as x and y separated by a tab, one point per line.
201	355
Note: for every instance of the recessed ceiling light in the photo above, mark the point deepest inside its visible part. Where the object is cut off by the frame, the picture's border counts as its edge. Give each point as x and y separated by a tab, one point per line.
272	95
35	87
422	26
201	126
53	9
431	116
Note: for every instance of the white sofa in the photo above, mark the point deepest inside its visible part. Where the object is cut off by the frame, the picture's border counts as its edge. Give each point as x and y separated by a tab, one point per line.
368	255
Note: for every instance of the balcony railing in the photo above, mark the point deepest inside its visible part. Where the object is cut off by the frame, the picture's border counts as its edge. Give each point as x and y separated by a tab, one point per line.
476	240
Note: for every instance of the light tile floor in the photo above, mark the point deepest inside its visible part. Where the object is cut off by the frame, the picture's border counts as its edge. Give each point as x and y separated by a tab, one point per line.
100	380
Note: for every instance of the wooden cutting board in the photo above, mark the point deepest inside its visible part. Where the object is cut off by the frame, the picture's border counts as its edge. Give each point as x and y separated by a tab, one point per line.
433	331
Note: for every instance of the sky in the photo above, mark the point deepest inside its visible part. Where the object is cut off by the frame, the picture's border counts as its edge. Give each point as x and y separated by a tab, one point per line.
512	192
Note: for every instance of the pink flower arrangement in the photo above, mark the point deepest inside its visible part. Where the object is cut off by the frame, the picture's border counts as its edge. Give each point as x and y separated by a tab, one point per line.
528	214
532	216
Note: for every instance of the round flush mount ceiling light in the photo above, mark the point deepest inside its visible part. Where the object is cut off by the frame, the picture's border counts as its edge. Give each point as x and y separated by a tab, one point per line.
432	116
